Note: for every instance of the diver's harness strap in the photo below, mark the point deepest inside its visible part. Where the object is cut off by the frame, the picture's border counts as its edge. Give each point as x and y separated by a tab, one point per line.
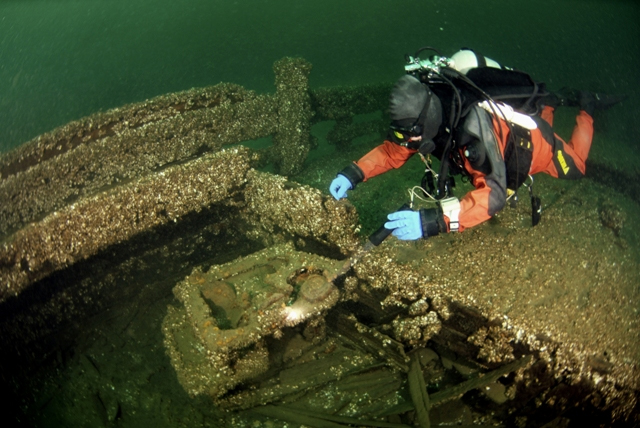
480	59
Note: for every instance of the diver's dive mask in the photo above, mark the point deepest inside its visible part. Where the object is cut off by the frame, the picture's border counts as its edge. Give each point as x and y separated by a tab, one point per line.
403	134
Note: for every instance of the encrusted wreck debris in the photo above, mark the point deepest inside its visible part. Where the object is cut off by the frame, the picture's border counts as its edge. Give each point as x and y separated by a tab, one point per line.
217	338
83	165
149	194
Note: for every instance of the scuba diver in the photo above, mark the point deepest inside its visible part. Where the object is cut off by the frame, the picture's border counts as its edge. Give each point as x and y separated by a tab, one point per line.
487	122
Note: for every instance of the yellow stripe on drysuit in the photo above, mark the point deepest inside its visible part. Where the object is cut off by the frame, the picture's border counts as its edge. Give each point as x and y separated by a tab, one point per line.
563	163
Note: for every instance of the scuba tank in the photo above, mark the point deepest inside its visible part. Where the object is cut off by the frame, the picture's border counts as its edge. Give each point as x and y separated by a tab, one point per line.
480	78
467	59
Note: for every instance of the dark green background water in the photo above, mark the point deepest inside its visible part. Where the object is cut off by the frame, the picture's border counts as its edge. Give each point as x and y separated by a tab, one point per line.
61	60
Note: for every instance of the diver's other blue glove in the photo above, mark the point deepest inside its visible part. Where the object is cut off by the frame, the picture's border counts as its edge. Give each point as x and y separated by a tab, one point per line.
406	225
339	187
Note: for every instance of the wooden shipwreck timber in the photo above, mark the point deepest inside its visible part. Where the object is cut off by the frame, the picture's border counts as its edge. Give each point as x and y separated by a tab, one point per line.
159	196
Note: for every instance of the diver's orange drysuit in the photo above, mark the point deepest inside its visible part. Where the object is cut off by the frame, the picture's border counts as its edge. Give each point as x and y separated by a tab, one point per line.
551	155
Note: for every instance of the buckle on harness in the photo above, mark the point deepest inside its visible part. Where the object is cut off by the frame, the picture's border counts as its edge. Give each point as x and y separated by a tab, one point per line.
451	208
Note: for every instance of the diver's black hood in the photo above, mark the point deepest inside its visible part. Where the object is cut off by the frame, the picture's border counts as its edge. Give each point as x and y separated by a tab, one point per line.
408	98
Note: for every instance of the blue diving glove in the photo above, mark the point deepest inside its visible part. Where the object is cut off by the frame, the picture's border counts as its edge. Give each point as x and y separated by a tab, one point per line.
339	187
406	225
